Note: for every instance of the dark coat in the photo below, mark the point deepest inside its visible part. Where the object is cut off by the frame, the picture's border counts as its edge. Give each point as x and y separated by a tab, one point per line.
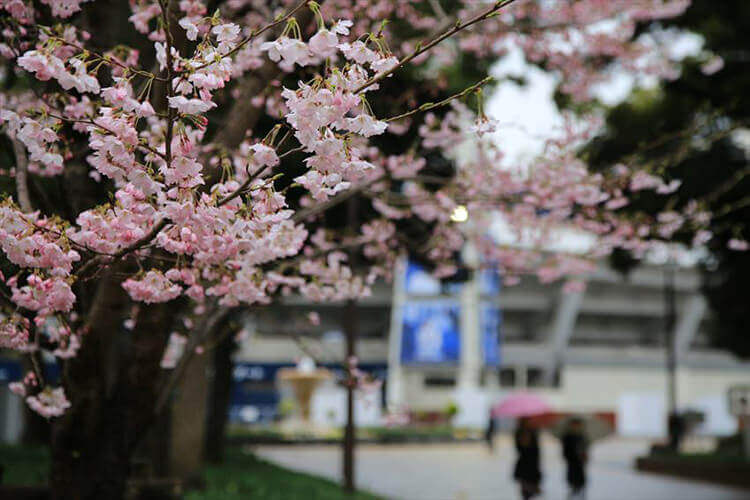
527	466
575	451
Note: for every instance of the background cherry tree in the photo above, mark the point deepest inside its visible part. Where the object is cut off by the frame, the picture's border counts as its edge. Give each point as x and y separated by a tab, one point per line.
207	156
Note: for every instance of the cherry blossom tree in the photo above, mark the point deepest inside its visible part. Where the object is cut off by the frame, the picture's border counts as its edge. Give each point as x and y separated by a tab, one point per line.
158	184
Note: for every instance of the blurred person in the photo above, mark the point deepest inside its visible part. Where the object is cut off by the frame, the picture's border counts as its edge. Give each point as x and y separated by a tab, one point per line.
676	429
575	453
527	470
489	433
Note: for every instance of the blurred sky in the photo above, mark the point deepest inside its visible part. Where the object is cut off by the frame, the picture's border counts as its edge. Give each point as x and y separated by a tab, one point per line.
527	114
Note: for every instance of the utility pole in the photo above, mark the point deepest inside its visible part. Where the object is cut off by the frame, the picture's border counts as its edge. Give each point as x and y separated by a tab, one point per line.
351	325
674	424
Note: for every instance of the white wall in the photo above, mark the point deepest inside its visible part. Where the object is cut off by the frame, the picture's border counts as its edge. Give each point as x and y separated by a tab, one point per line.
328	407
637	394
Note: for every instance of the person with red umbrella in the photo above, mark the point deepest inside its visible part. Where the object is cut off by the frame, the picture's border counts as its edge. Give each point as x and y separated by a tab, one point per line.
527	470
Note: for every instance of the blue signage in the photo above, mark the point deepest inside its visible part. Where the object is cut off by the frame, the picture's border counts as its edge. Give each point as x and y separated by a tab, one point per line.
430	332
10	370
489	281
431	328
491	318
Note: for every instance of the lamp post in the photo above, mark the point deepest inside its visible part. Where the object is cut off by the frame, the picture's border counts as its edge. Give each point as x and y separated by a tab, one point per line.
350	332
350	324
674	423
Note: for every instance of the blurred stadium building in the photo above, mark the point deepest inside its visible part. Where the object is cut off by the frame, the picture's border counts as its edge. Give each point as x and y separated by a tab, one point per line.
435	344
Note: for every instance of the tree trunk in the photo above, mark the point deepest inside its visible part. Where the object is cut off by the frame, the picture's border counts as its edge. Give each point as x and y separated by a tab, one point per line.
111	385
188	421
219	400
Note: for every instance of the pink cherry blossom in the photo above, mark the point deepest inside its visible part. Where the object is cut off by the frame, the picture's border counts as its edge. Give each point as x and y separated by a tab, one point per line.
191	30
49	402
738	245
324	43
228	32
14	332
358	52
44	295
174	351
289	51
190	106
263	155
152	287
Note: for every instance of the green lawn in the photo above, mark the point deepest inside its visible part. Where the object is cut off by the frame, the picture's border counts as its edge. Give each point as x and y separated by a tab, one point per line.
25	466
384	434
244	476
241	476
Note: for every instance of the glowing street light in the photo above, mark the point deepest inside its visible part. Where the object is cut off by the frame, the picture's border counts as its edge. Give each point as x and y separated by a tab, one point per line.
460	214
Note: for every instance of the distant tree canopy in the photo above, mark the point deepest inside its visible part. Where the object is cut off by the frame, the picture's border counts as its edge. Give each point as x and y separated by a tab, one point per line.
695	128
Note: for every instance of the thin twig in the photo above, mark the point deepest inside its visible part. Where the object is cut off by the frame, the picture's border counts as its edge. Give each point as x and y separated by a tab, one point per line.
251	178
255	34
332	202
100	259
432	105
108	60
421	49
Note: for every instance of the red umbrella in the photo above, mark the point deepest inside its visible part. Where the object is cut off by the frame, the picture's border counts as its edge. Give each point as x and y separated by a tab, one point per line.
521	404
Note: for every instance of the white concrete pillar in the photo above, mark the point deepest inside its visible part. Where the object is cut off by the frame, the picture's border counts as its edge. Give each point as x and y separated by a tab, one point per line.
471	399
522	372
688	322
470	361
12	419
562	329
395	396
492	379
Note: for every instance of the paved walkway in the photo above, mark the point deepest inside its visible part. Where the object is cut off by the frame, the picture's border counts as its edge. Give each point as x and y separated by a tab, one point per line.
470	472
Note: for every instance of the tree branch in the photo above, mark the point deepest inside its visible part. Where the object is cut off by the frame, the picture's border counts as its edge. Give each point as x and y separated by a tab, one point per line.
432	105
332	202
421	49
210	321
22	176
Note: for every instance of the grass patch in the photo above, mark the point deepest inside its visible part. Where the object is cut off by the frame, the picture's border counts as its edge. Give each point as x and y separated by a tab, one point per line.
263	434
24	465
240	477
243	476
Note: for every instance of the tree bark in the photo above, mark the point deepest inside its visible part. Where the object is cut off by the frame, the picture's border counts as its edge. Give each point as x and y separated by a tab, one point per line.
219	400
111	387
188	421
349	443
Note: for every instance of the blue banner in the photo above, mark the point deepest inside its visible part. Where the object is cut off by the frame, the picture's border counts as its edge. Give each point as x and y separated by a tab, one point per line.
489	282
10	370
431	328
491	319
430	332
